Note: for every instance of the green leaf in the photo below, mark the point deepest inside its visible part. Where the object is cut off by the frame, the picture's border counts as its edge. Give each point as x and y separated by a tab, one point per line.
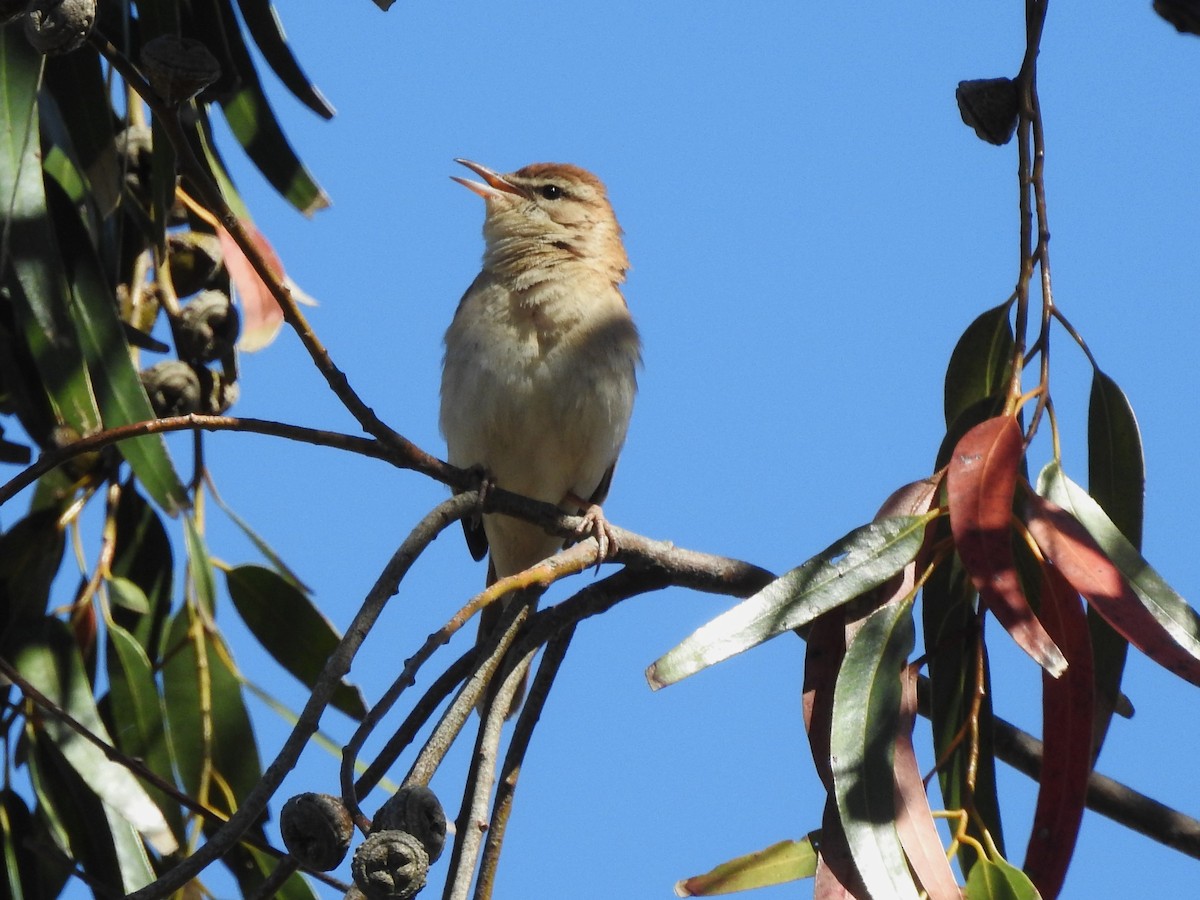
289	626
859	562
209	726
143	555
31	270
73	811
947	605
262	21
999	880
51	663
778	864
866	716
1117	480
119	392
253	123
200	567
980	363
127	594
77	83
1161	624
139	720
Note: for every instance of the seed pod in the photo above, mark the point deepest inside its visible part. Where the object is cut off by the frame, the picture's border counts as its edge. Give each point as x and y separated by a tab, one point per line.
218	392
390	865
55	27
174	388
207	328
196	258
415	809
316	829
178	68
1183	14
989	105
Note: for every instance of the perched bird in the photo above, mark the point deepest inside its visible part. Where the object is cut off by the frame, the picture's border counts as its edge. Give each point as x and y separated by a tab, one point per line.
541	357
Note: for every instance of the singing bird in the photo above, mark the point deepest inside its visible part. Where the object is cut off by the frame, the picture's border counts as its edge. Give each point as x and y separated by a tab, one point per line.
541	358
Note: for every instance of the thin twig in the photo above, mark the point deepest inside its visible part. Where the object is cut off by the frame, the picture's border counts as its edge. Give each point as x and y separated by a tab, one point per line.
510	770
472	816
336	667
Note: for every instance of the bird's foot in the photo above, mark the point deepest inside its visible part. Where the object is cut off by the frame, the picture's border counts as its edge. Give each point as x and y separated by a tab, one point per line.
595	525
485	483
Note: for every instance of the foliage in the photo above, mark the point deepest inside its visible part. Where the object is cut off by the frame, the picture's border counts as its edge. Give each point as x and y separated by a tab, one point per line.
123	708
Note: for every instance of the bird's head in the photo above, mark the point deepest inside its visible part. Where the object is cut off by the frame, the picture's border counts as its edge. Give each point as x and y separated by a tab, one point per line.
553	212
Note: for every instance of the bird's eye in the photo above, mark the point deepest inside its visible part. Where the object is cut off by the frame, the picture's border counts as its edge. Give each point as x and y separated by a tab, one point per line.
551	191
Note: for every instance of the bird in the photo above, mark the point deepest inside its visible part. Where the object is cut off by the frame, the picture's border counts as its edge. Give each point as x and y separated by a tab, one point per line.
541	360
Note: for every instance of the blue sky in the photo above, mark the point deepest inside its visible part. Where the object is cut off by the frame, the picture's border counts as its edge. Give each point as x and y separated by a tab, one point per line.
811	227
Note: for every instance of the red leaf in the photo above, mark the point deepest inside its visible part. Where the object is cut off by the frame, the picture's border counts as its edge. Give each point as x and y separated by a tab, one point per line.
1068	545
980	482
1067	711
261	313
823	656
914	820
836	877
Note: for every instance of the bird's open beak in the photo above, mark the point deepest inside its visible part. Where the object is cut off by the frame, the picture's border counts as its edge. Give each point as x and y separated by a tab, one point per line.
495	186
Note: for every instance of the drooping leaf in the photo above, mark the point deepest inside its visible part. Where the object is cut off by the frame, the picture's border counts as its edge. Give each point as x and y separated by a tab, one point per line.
262	317
999	880
200	567
836	877
127	594
1118	583
138	717
866	717
980	363
914	819
262	21
32	270
212	740
980	483
74	811
119	392
861	561
143	556
778	864
947	604
1117	480
289	626
78	86
254	125
1066	736
51	663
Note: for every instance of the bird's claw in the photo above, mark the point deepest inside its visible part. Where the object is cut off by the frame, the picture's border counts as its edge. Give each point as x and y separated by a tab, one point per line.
595	525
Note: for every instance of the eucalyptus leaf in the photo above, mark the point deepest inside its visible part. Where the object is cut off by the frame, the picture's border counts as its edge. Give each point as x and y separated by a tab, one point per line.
289	626
781	863
52	664
859	562
980	363
1117	480
119	392
866	716
999	880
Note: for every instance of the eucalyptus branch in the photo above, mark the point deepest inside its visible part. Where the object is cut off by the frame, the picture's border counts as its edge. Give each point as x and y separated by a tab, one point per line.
210	194
472	818
141	770
514	757
336	667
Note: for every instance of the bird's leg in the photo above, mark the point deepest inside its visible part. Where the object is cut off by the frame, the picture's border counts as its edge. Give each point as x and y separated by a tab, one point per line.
595	525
